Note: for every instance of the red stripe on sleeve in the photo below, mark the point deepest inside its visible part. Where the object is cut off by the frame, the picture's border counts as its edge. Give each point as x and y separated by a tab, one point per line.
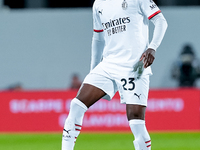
154	14
98	30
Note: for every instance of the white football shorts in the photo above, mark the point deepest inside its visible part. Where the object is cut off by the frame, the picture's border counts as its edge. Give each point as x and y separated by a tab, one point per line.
112	78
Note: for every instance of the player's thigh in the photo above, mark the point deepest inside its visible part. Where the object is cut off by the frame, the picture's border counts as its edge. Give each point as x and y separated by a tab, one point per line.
101	78
89	94
97	84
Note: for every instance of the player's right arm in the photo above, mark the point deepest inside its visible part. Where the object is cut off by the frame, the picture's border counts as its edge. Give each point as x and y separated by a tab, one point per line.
97	49
97	39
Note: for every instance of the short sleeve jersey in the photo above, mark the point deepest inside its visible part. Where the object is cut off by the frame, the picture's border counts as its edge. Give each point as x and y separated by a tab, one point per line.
125	27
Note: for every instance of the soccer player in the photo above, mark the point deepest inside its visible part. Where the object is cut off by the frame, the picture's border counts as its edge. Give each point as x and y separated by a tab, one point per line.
120	61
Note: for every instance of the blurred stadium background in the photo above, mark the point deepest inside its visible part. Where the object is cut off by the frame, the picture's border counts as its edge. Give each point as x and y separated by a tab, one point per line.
44	42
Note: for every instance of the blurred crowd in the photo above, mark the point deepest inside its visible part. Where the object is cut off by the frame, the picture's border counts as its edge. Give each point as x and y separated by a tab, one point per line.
186	69
75	84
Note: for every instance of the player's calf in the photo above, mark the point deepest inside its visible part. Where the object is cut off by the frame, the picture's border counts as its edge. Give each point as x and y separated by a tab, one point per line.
142	139
73	124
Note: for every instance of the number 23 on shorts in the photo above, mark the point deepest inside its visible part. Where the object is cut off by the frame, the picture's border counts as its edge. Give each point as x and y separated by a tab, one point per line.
128	83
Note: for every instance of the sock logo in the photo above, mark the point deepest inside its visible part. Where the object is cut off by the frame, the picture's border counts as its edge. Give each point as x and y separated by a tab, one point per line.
66	131
66	136
137	95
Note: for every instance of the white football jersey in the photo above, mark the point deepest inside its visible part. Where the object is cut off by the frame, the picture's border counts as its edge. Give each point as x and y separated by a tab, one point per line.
125	26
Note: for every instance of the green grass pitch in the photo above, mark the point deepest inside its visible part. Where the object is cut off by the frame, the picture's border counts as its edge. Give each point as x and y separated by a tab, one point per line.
99	141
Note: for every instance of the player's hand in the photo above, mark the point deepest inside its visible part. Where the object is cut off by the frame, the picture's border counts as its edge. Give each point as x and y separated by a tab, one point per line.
148	57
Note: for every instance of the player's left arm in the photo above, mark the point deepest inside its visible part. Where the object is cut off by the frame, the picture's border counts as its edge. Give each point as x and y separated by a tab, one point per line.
153	13
161	25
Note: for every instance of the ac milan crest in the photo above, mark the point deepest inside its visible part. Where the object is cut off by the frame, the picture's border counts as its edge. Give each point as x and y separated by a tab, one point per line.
124	5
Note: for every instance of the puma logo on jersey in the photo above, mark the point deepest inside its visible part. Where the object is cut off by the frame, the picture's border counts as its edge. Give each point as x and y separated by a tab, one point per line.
137	95
101	11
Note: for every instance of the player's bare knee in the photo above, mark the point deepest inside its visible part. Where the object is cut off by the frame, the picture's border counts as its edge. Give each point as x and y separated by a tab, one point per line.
135	115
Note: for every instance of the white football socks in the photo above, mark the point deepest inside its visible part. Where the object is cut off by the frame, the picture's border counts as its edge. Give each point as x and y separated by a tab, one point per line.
142	139
73	124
